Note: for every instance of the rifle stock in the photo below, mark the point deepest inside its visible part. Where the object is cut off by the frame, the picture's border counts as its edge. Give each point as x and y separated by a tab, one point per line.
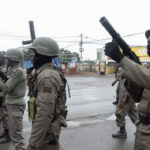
114	82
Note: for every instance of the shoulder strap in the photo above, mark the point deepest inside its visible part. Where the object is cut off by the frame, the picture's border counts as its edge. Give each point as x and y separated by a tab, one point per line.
63	79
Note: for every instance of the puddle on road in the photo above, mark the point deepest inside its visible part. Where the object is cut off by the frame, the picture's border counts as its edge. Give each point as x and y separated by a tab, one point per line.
73	123
112	117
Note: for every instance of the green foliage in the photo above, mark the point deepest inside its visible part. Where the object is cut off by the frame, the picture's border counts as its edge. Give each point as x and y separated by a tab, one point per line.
91	62
66	55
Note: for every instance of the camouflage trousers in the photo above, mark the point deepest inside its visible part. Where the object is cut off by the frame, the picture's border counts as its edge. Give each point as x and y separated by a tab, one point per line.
48	147
51	141
4	117
142	141
15	124
117	90
128	109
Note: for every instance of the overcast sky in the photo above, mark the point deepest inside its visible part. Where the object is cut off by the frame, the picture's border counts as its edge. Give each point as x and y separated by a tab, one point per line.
63	18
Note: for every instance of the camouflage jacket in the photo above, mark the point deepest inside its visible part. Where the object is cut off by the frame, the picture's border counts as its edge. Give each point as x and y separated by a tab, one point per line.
141	76
49	103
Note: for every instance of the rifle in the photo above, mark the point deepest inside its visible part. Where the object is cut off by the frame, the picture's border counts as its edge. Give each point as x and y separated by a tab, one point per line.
32	34
134	90
114	82
3	76
122	44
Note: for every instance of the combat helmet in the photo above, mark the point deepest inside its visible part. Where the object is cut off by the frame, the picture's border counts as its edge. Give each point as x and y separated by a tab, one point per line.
45	46
14	55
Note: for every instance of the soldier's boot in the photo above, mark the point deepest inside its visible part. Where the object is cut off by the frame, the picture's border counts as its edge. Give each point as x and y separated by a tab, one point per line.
116	102
120	134
5	137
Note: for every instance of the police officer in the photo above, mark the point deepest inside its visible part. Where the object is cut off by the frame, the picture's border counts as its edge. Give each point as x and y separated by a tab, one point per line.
49	95
141	76
14	89
125	106
118	77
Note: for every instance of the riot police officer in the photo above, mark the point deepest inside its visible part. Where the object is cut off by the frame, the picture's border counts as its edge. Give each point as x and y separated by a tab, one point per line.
125	106
4	137
14	89
141	76
48	93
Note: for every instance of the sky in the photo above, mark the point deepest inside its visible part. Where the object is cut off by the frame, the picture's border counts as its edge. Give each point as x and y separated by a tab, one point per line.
66	20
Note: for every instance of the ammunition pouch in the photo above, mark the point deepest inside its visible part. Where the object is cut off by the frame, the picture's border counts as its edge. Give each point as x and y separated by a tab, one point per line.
32	109
55	128
144	120
134	90
60	120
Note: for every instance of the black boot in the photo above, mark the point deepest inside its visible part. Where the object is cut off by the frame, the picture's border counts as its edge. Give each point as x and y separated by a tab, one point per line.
5	137
116	102
120	134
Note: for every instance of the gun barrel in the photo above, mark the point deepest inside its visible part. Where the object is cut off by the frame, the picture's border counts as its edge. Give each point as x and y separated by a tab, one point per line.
32	31
114	82
123	45
109	28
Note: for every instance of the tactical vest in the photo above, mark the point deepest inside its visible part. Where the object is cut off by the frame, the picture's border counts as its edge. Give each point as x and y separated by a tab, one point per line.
60	106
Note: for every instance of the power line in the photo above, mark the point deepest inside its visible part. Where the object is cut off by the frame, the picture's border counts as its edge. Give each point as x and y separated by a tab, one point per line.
9	35
105	39
67	36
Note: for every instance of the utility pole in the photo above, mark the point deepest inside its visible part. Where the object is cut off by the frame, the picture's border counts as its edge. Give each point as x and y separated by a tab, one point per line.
81	50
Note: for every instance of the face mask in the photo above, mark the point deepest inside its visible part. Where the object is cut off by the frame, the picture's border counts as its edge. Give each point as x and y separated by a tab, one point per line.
40	60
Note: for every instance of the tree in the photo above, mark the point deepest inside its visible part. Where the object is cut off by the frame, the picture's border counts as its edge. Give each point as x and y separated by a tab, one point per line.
66	55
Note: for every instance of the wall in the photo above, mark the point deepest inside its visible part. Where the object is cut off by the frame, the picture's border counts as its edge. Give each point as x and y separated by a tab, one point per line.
87	68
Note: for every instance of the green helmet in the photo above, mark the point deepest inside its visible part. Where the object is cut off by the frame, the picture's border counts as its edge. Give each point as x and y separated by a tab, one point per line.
45	46
14	55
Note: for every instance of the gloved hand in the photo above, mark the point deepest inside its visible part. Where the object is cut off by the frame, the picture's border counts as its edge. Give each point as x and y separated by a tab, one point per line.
3	76
112	50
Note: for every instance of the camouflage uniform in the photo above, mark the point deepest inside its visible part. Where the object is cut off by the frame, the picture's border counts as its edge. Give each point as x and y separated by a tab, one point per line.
49	105
118	78
47	101
14	89
140	76
3	108
126	106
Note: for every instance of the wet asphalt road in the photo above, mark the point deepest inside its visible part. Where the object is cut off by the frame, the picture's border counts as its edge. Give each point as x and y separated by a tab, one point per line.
91	119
